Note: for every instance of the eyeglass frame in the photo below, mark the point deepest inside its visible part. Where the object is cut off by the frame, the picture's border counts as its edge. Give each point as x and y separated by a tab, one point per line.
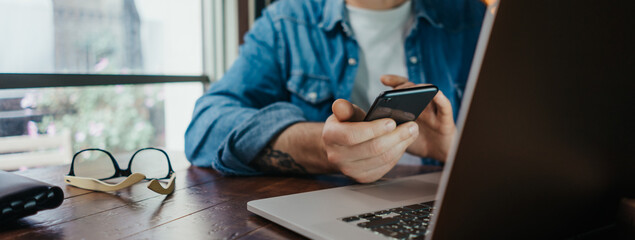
131	178
118	171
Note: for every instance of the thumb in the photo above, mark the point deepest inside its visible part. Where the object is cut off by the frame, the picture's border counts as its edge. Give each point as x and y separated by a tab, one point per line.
393	80
345	111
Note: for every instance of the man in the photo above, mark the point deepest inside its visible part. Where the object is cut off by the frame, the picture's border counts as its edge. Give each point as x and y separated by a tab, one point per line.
274	110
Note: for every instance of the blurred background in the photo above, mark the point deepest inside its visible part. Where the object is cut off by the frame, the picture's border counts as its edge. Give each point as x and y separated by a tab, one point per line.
113	74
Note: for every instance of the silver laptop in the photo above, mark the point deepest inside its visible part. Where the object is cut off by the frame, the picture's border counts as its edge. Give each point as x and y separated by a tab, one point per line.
543	150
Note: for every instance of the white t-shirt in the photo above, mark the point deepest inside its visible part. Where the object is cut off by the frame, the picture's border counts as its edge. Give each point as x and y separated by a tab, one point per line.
380	35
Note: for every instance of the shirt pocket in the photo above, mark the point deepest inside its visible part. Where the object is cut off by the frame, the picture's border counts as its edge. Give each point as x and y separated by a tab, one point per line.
310	88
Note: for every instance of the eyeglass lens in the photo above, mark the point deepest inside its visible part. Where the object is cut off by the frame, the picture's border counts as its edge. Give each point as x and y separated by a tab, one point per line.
151	162
93	164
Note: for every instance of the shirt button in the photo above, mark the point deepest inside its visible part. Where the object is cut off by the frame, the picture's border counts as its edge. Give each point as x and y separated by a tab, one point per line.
413	60
352	61
312	96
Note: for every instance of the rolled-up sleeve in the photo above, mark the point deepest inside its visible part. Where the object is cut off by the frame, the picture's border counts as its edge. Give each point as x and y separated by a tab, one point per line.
243	111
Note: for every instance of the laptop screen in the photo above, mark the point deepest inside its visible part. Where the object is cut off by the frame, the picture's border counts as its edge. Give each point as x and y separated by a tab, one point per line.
543	150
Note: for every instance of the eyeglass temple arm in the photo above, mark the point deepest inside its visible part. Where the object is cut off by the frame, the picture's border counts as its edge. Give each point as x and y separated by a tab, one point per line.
156	186
94	184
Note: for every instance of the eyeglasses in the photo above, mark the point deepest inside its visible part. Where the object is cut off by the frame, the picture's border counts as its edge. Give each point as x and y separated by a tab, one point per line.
90	167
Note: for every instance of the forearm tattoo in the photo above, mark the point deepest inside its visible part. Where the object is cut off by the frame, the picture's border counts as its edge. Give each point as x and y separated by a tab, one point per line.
275	161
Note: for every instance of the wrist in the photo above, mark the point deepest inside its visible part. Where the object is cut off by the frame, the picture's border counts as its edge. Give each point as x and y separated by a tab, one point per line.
303	141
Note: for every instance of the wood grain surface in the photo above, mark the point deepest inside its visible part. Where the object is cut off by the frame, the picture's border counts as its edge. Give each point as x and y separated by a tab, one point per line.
205	205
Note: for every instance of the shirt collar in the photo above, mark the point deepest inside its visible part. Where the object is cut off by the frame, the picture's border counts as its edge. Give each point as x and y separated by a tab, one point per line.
335	12
426	9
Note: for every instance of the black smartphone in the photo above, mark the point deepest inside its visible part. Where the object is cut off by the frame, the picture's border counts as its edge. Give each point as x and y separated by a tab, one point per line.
402	105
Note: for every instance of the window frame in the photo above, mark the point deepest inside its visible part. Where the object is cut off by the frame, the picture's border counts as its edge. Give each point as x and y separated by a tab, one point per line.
41	80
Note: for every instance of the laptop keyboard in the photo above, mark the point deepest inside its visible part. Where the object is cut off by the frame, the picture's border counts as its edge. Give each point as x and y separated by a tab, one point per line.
407	222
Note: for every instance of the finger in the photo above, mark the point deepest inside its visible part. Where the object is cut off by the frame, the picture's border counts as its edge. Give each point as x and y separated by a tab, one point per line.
429	114
431	109
359	114
439	111
443	105
345	111
393	80
488	2
353	133
374	168
377	146
405	85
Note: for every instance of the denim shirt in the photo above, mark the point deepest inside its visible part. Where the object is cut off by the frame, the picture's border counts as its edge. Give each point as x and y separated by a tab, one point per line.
299	57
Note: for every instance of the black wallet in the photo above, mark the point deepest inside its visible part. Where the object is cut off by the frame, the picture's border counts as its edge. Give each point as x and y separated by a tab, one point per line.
21	196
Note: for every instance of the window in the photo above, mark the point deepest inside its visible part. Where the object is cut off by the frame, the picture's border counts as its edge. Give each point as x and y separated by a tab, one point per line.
118	75
151	37
114	74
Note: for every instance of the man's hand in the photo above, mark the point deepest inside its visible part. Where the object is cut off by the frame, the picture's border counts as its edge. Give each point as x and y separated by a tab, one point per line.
436	123
364	151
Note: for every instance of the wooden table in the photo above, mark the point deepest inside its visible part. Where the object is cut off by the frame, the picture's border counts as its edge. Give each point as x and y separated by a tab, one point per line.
205	205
